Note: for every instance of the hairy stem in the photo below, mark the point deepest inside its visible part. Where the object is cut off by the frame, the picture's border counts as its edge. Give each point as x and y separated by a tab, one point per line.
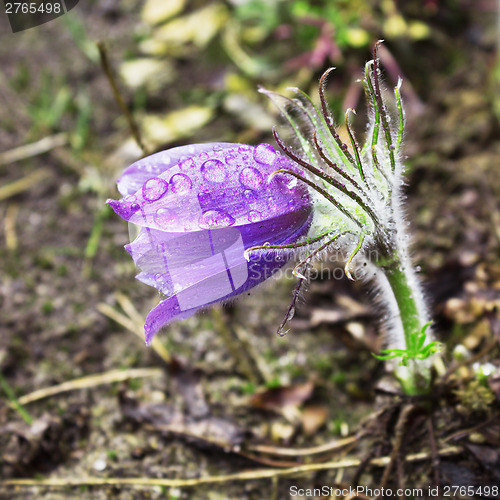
408	319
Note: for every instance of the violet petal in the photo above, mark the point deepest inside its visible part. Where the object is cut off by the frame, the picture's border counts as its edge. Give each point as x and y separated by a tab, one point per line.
221	274
218	188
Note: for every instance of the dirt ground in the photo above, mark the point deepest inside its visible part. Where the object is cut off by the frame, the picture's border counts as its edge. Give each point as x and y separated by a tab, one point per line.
220	407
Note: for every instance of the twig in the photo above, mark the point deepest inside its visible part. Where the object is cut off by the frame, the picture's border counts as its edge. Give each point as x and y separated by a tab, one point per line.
133	323
435	457
365	462
129	308
274	488
118	317
34	148
23	184
398	441
462	433
298	452
11	240
90	381
239	476
106	66
259	364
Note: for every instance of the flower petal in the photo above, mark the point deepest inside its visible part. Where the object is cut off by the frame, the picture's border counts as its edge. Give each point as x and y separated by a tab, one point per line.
199	208
213	189
214	269
172	262
139	172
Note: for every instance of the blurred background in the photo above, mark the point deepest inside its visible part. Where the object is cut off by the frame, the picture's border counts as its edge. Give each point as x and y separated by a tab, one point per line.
212	390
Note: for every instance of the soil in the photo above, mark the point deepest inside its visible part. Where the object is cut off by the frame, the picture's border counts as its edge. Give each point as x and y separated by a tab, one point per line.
221	394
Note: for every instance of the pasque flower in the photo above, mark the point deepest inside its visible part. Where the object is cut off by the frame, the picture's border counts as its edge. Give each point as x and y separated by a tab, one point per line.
199	208
218	219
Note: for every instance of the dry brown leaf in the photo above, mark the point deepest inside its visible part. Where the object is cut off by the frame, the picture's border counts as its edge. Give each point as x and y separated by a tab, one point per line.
278	398
313	417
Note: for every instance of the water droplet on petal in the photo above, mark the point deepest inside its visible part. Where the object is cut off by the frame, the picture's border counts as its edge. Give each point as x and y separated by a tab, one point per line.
232	160
165	217
250	195
134	207
214	171
160	278
292	183
264	153
254	216
272	204
215	219
180	183
187	164
250	177
153	189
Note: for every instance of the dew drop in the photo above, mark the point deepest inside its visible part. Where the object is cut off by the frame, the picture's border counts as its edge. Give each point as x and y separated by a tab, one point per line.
213	171
264	153
282	332
250	195
291	184
187	164
160	278
153	189
165	217
180	183
290	314
215	219
232	160
134	207
272	204
251	178
254	216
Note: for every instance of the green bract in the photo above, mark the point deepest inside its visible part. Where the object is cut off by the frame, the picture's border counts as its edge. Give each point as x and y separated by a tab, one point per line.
358	207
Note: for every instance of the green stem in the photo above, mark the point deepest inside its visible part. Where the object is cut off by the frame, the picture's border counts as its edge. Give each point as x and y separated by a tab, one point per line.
410	341
405	298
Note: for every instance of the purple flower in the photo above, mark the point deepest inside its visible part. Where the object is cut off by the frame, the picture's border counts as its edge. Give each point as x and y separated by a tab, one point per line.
199	208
